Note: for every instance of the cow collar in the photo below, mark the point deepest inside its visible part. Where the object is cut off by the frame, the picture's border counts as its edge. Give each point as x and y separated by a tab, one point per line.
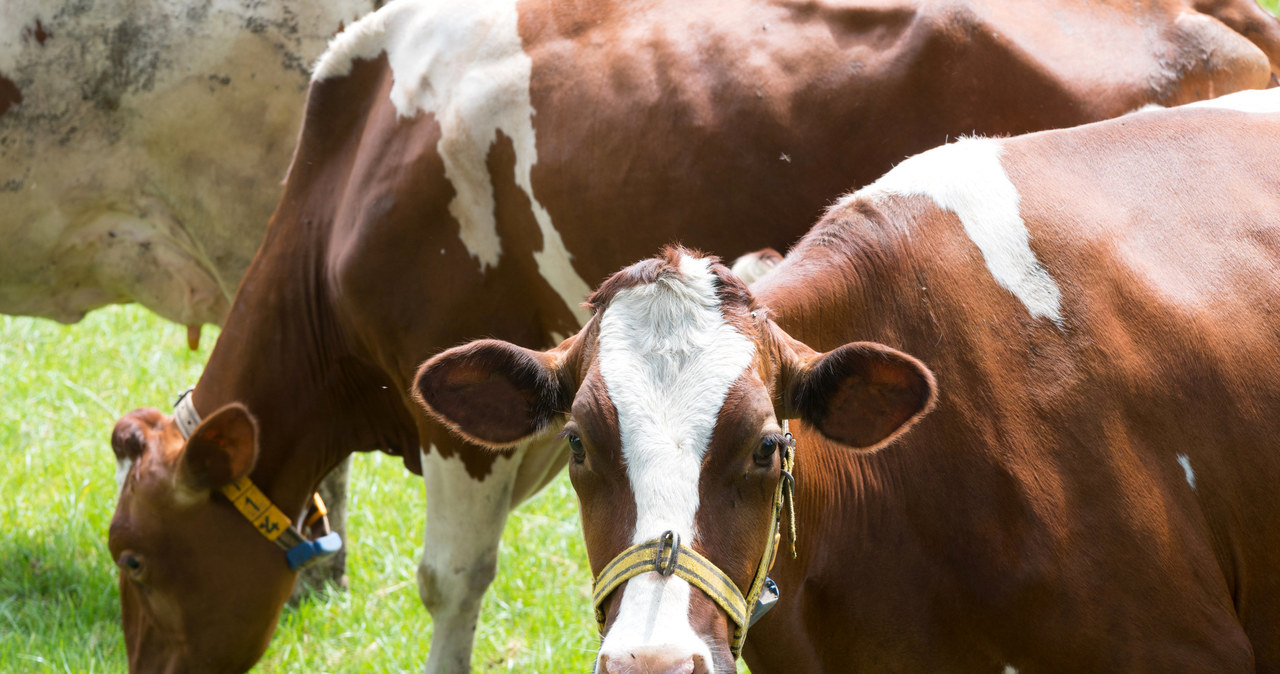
299	551
667	557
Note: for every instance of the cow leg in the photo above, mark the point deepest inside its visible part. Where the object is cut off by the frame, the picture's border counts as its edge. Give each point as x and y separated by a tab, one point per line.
464	525
331	570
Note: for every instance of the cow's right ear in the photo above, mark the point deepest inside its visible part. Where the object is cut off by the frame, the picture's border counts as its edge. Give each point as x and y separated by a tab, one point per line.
863	395
492	393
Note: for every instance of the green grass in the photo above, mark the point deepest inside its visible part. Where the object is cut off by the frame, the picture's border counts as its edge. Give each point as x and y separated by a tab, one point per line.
61	391
1272	6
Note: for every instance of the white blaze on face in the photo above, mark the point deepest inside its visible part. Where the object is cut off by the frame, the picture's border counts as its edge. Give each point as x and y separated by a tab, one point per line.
668	359
463	61
966	178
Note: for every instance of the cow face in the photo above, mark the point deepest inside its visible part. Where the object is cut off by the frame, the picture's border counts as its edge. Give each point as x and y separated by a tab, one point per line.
674	392
199	588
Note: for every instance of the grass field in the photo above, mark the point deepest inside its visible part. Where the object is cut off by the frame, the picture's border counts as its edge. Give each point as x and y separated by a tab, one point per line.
61	391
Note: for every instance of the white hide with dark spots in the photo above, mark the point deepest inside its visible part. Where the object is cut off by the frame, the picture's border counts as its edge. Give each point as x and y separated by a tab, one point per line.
146	154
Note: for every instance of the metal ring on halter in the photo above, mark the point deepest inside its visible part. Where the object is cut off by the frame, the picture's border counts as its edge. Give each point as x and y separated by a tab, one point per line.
668	540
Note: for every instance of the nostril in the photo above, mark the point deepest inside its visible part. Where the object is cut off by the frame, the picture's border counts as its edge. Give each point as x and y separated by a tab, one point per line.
650	663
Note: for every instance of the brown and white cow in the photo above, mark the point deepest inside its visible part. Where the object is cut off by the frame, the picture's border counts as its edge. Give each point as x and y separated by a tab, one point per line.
142	143
466	167
1095	316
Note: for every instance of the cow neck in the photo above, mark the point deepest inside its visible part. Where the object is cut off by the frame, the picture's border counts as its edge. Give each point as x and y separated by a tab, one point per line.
841	283
283	356
827	291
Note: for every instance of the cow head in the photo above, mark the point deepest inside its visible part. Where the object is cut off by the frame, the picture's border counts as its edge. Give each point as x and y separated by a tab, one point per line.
675	391
200	589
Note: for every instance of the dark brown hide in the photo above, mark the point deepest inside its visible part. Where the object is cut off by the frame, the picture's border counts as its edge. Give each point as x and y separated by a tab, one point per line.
1039	518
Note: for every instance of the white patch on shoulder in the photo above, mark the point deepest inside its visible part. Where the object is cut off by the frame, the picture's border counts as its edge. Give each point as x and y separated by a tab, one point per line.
1149	107
463	61
364	39
1249	100
966	178
1186	468
668	359
1009	669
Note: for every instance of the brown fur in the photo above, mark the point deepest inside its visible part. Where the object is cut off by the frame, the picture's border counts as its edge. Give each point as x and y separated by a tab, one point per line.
1038	517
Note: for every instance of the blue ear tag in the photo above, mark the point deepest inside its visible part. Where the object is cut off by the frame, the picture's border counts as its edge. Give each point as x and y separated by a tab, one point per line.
768	597
309	552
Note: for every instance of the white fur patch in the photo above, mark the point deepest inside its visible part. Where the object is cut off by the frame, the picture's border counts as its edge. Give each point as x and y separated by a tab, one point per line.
1186	468
122	473
463	61
1009	669
752	267
1249	100
463	529
668	359
966	178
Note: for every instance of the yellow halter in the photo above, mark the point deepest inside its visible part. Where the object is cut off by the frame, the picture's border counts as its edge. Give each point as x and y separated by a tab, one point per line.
666	556
299	551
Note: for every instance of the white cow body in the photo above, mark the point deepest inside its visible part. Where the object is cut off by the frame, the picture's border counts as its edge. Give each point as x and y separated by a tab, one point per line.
142	145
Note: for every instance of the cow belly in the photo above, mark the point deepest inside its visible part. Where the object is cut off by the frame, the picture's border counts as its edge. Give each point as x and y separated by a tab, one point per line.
105	256
142	145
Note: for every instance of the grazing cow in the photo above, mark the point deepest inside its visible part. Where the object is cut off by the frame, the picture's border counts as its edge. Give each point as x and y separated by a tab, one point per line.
465	167
142	144
1093	317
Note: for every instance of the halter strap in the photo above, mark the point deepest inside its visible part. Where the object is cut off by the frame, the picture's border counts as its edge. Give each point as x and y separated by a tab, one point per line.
666	556
299	551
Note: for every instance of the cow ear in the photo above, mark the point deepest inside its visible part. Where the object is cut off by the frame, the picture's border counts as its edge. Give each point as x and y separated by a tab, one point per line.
863	395
492	393
221	450
130	436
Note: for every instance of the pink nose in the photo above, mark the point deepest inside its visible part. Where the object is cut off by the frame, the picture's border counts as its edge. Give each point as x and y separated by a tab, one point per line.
645	661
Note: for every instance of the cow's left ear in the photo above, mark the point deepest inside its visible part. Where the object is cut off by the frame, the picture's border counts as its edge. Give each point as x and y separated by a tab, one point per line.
221	450
862	394
493	393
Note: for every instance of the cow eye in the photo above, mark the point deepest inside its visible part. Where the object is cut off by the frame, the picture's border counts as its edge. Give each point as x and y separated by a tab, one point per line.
132	565
764	453
575	448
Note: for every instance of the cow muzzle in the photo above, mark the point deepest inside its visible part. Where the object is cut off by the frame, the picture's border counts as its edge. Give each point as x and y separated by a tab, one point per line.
666	556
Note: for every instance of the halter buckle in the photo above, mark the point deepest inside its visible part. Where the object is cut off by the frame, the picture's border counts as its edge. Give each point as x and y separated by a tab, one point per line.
667	563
